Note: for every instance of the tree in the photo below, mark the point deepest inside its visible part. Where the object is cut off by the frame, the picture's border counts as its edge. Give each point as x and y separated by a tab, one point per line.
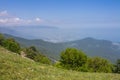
98	64
33	48
1	39
35	55
42	59
117	66
31	52
72	58
11	45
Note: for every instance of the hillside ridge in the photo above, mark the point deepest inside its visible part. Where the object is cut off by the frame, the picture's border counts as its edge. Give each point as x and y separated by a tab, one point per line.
92	47
14	67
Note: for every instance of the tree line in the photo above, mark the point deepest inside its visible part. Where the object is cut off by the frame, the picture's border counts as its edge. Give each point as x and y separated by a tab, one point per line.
74	59
30	52
71	58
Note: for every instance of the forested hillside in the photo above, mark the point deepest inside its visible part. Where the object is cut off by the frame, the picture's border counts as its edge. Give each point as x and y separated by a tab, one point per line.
92	47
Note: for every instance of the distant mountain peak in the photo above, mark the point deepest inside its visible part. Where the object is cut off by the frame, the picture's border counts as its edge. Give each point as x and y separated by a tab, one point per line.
91	46
89	38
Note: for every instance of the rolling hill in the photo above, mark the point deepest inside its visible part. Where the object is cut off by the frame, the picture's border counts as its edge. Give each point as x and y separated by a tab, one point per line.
92	47
15	67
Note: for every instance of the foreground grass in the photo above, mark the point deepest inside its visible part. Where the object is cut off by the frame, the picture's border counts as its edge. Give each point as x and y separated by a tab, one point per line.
14	67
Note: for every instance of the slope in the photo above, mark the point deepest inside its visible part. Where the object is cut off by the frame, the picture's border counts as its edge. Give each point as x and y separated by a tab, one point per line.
92	47
14	67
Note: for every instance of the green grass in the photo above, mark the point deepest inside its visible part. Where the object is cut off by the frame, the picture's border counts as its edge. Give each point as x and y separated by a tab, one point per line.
14	67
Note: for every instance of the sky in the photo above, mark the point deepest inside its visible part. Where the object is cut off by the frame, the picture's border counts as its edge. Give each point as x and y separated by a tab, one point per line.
94	15
63	13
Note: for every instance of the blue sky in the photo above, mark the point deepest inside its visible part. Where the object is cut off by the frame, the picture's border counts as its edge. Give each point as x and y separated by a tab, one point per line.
80	14
65	13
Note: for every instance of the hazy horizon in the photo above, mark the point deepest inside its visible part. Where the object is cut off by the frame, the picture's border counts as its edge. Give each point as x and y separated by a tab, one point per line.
65	20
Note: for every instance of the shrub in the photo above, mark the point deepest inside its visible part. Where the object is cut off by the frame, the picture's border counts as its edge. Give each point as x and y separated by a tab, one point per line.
117	66
1	39
42	59
35	55
30	53
73	59
11	45
98	64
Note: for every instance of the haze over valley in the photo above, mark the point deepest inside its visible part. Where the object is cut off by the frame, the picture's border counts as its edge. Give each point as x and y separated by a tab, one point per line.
59	39
56	34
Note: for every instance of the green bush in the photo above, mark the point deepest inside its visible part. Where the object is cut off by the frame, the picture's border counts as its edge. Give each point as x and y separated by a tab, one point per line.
98	64
117	66
11	45
1	39
73	59
42	59
35	55
30	53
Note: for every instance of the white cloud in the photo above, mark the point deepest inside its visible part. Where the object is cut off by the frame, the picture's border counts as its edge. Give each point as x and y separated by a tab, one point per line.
9	20
5	19
38	19
17	19
3	13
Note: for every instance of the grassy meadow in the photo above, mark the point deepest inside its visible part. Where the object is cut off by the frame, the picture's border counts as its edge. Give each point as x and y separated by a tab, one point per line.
15	67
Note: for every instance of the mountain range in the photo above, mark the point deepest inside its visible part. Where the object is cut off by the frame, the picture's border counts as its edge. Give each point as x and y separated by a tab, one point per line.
57	34
92	47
